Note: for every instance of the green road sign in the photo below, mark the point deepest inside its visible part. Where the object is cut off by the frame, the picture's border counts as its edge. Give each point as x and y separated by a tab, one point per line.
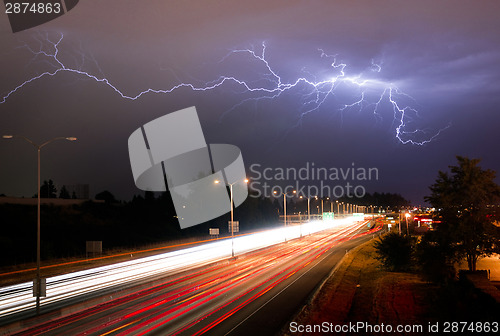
328	215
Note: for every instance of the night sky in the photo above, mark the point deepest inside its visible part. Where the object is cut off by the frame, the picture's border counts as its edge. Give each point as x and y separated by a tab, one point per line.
438	59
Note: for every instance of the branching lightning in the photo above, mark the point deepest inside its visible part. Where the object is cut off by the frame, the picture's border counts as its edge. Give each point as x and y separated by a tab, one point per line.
368	94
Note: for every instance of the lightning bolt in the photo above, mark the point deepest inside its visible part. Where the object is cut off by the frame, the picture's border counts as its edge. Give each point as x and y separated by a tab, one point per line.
368	93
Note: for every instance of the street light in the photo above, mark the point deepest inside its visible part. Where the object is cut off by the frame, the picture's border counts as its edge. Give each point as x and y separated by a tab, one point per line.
318	205
407	215
300	225
38	147
232	222
399	217
284	204
308	208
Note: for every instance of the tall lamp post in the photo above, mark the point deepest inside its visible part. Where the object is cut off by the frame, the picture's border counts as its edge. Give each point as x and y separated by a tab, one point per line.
300	225
37	284
308	208
399	217
232	222
284	204
407	215
321	205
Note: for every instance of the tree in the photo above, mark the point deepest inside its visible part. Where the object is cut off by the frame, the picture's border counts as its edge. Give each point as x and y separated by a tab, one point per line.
378	199
64	193
433	257
395	251
463	199
149	196
48	190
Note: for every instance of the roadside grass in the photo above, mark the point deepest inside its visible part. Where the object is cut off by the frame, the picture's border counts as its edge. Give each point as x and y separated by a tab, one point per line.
361	291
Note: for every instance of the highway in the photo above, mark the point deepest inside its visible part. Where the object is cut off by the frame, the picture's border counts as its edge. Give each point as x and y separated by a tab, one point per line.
255	293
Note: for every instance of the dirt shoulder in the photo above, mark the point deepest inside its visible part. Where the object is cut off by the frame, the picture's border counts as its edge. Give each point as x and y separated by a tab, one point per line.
360	291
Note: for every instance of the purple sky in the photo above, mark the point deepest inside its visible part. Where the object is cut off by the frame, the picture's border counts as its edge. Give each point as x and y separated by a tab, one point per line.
440	58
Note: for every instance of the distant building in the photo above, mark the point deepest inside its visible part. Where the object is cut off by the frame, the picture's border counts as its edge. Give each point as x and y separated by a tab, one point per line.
80	191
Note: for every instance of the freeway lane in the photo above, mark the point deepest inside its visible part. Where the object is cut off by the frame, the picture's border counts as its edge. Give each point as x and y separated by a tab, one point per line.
232	296
17	302
269	315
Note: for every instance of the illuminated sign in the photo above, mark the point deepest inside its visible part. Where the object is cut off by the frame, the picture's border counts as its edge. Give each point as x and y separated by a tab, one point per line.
328	215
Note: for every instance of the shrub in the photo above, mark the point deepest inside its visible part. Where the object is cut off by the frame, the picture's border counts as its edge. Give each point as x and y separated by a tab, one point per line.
395	251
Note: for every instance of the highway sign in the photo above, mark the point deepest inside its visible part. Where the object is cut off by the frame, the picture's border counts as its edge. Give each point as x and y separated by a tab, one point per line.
328	215
236	226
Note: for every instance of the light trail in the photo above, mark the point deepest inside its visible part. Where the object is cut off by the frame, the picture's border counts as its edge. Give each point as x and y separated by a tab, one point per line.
107	257
179	303
163	317
18	298
281	276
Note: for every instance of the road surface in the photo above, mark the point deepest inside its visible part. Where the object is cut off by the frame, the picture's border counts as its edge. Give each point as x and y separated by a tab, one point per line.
254	294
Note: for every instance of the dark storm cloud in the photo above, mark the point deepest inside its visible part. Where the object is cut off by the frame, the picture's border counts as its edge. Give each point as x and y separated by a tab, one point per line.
444	54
